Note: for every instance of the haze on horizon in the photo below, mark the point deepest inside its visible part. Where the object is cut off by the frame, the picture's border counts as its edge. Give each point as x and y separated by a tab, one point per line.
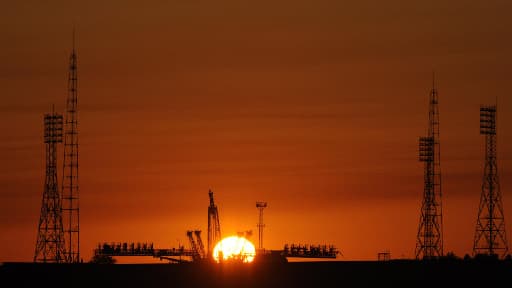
313	106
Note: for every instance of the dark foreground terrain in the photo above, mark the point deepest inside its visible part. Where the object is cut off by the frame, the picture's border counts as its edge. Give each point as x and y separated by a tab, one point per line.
453	273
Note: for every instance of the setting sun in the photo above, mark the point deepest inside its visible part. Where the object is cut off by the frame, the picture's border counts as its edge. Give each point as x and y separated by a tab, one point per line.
234	248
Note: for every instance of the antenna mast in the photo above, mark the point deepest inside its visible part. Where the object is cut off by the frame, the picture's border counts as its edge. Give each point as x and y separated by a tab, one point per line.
429	243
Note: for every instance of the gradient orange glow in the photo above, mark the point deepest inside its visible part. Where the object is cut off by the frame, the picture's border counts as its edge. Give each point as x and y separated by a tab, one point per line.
312	106
234	248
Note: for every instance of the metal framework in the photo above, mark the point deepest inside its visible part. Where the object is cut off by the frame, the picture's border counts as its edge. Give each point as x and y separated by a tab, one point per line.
200	244
50	236
147	249
213	225
384	256
309	251
490	237
260	206
144	249
429	243
196	244
70	191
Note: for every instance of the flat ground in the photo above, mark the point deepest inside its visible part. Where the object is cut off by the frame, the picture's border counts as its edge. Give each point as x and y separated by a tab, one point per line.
449	273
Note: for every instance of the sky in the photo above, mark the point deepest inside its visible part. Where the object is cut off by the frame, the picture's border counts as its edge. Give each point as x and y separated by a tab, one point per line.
312	106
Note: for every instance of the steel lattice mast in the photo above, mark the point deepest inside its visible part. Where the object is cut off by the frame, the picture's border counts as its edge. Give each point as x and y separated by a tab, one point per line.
70	191
260	206
490	237
429	243
50	236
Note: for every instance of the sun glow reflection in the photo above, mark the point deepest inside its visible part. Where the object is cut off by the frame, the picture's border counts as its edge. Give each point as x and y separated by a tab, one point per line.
234	248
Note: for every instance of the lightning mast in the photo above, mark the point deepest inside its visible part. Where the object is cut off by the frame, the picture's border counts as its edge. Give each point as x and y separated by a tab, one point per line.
260	206
429	243
490	237
70	189
50	236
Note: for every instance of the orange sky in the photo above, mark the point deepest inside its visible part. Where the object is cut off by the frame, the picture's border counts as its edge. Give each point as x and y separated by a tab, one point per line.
312	106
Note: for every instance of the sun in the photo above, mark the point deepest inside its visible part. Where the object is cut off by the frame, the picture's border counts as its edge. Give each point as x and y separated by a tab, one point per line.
234	248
